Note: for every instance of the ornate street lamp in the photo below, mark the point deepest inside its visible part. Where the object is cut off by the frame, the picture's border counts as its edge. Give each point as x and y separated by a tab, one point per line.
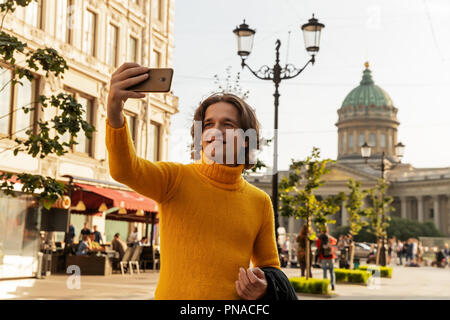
245	35
399	152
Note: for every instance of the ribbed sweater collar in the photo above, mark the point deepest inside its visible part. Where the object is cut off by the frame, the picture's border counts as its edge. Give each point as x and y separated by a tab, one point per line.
221	175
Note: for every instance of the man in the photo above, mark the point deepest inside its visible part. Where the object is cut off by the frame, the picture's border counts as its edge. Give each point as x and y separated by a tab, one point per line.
94	245
118	245
213	222
143	241
97	236
83	246
85	231
325	243
133	237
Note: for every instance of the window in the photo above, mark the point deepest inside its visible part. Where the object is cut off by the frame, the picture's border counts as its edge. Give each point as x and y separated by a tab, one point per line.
131	120
383	140
84	143
33	14
133	50
113	32
343	142
64	20
89	33
372	140
25	97
154	141
5	100
350	141
361	139
14	121
155	61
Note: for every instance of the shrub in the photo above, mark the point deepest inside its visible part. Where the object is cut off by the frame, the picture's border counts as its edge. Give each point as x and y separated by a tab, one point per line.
313	286
352	276
385	272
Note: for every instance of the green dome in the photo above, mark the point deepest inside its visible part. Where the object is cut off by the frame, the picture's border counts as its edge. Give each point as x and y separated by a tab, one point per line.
367	93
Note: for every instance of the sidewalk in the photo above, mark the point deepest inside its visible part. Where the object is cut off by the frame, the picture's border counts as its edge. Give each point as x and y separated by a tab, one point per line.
407	283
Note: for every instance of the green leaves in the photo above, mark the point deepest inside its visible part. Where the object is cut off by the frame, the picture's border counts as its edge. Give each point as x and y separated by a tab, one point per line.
380	208
46	138
302	203
49	189
355	201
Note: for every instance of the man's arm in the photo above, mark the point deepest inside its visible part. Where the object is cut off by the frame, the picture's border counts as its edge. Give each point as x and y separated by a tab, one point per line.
155	180
265	251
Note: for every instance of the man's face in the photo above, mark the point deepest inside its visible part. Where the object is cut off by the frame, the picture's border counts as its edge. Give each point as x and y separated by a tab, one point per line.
220	117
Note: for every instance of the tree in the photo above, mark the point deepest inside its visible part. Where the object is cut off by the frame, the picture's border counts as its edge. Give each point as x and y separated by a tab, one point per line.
45	139
297	197
377	214
354	204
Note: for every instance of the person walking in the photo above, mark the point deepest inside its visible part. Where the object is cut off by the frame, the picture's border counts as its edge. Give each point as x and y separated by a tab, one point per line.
97	236
326	244
85	231
213	222
301	252
399	250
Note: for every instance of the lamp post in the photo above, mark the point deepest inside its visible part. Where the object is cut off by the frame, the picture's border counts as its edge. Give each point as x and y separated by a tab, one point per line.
365	153
311	32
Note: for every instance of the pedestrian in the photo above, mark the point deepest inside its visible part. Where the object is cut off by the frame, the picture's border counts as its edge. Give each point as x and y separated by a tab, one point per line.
97	236
69	236
133	238
446	251
301	252
213	222
399	250
326	254
85	231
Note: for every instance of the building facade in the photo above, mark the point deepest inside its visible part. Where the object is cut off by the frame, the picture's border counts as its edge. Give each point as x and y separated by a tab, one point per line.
368	114
95	38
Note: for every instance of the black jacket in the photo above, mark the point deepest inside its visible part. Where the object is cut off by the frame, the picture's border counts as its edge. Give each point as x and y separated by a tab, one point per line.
278	285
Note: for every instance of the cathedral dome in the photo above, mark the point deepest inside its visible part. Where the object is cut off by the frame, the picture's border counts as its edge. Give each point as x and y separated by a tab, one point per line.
367	115
367	101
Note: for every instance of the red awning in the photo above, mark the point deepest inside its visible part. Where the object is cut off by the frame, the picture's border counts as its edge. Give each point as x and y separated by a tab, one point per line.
128	199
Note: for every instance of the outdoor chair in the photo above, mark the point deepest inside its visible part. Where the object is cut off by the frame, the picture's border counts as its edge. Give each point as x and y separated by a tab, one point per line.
125	259
135	259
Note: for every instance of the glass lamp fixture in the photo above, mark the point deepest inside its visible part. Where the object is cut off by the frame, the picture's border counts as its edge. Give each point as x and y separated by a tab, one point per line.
311	35
365	151
245	36
399	150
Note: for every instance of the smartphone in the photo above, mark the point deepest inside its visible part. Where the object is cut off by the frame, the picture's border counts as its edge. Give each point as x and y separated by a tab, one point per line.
159	80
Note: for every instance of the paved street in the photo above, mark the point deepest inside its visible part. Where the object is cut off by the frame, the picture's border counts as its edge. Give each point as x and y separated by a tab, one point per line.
407	283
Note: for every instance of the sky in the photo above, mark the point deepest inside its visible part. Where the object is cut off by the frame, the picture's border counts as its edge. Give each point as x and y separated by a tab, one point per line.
405	41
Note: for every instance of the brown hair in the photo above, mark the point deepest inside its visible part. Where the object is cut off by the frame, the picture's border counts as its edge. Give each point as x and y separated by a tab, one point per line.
247	119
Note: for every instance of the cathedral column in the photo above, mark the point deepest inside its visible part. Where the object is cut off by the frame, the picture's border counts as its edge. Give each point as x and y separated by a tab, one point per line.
344	215
291	225
420	208
436	211
403	207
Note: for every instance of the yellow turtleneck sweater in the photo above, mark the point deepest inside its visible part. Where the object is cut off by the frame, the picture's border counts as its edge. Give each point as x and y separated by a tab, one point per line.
212	221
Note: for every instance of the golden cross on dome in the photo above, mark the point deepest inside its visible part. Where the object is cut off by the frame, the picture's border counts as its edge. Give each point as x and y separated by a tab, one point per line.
366	64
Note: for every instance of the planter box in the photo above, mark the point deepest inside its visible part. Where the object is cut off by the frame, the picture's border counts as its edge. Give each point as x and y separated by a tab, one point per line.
91	265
